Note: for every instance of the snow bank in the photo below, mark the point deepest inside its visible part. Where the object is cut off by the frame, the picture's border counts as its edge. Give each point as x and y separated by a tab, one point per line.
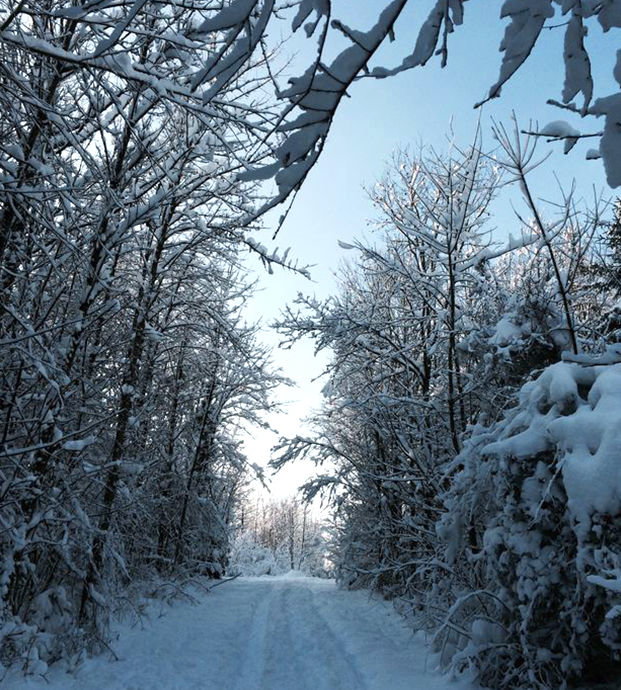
259	634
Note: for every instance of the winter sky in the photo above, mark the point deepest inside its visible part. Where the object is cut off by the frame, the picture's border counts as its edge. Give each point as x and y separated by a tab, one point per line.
429	106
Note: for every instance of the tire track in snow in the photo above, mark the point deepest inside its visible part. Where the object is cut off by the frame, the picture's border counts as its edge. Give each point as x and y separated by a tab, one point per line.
290	646
261	634
255	652
326	664
283	669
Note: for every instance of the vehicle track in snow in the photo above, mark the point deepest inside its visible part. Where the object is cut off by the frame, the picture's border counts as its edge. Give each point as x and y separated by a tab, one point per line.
300	651
270	633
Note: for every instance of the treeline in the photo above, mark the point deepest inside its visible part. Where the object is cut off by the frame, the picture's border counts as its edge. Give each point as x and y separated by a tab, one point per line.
275	537
469	438
127	372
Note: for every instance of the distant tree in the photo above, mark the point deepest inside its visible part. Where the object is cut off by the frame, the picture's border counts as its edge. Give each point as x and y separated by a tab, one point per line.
277	536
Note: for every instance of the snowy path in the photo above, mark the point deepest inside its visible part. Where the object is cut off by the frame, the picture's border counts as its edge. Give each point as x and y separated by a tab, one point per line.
264	634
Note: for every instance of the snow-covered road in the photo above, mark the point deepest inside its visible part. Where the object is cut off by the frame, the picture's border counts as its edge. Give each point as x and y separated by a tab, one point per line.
263	634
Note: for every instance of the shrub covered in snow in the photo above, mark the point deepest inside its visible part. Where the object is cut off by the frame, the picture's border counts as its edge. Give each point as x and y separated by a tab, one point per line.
249	558
277	537
533	535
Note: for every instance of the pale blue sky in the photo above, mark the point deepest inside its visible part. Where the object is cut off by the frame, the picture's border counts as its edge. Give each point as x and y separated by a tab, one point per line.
413	108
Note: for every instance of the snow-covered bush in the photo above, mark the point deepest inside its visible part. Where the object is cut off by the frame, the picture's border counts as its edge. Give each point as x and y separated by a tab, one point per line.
249	558
533	537
277	537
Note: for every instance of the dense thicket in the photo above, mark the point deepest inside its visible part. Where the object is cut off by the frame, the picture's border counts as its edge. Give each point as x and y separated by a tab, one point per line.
126	368
131	133
473	473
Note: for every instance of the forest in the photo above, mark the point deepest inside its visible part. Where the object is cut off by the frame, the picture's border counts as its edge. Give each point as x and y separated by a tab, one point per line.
468	447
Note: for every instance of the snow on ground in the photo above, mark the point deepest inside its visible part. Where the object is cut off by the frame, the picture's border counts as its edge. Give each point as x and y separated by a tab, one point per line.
269	633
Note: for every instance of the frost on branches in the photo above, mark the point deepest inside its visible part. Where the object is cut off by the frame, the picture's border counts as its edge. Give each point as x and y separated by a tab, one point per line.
140	142
495	530
279	537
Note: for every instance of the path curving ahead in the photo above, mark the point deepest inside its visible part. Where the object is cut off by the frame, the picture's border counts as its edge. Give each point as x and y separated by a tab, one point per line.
276	633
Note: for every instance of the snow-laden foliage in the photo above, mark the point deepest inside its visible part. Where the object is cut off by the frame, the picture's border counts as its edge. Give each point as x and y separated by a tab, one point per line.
526	22
277	538
399	396
532	535
493	525
126	369
136	141
140	475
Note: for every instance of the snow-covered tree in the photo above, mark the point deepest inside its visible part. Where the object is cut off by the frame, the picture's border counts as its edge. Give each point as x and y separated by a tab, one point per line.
127	370
276	537
400	395
434	331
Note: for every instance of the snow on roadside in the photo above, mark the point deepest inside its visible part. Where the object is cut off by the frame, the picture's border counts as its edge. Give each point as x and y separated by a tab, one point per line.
267	633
